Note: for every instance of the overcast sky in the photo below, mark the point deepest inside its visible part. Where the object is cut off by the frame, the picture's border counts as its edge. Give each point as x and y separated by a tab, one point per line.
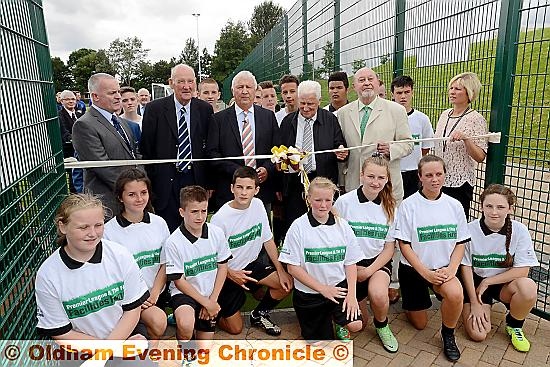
163	26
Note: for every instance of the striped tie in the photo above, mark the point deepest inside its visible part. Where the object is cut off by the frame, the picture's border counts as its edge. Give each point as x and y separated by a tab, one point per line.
307	144
184	144
247	139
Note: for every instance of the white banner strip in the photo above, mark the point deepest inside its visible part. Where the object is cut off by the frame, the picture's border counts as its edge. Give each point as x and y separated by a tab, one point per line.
71	163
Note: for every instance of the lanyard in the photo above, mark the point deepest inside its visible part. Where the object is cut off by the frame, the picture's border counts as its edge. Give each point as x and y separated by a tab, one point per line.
466	111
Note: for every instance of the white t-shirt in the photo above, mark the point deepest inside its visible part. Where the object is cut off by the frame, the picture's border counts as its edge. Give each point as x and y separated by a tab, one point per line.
280	115
194	258
323	250
245	230
144	240
368	221
432	227
88	297
420	129
486	248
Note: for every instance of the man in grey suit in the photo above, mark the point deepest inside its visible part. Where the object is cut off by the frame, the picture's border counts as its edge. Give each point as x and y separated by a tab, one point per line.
100	135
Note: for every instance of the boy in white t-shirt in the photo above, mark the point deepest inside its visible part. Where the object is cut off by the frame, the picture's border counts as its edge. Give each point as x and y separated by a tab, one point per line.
421	128
196	263
431	230
246	229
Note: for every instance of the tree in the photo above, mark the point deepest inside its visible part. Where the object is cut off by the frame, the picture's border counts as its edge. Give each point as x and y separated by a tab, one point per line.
190	55
148	73
89	64
264	17
327	63
384	59
206	63
230	49
62	78
76	55
126	56
358	64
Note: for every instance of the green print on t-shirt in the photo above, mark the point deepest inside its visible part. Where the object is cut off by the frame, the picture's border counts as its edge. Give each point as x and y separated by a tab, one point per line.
147	258
436	233
369	230
487	261
324	255
94	301
416	137
240	239
202	264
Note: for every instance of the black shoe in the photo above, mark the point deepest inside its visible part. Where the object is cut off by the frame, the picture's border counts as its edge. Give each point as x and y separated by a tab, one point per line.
450	348
262	320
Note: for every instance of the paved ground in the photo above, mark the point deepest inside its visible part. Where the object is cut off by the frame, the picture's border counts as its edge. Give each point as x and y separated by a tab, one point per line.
423	348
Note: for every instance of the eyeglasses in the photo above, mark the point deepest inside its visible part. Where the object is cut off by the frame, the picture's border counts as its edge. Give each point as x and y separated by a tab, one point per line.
68	99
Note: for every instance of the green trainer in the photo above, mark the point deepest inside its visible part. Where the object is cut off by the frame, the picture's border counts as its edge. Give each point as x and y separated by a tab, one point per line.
342	333
388	340
519	341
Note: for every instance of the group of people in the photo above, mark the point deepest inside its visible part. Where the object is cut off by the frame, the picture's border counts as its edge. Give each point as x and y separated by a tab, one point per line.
335	255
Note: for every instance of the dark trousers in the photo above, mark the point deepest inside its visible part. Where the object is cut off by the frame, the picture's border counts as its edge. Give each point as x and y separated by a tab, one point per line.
411	182
171	213
294	202
463	193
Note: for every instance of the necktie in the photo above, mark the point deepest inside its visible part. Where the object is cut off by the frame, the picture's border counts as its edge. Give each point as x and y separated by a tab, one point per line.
247	139
307	144
120	131
184	144
73	117
364	120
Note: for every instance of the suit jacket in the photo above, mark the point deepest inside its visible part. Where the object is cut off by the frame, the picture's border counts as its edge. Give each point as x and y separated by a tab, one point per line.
224	140
387	122
96	139
159	140
66	127
327	134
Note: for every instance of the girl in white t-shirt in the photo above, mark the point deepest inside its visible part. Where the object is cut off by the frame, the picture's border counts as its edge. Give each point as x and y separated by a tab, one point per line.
496	267
370	211
89	288
143	234
321	252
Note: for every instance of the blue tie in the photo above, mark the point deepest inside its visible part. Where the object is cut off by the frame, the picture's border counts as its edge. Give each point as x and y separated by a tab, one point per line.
184	144
120	131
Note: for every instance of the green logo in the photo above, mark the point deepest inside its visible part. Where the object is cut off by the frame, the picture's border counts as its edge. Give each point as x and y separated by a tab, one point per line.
200	265
435	233
239	240
370	230
94	301
487	261
416	137
325	255
147	258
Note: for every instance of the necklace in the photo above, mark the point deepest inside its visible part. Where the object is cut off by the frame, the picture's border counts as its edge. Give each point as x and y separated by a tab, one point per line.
466	111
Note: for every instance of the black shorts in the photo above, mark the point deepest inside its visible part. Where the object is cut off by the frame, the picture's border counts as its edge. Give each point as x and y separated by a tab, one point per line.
315	314
232	296
411	182
415	290
181	299
491	294
363	287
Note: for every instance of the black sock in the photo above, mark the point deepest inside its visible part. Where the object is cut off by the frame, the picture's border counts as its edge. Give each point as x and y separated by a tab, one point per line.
513	323
447	330
267	303
380	324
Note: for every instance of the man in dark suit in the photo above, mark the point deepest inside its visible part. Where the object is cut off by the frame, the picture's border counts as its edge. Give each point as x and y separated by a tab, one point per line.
100	135
173	127
67	115
324	132
144	97
227	133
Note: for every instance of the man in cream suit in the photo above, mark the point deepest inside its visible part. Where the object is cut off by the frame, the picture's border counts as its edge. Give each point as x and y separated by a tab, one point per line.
373	120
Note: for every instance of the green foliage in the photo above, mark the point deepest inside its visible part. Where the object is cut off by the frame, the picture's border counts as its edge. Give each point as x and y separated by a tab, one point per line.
230	49
190	55
206	63
62	78
358	64
327	63
126	56
89	64
264	17
148	73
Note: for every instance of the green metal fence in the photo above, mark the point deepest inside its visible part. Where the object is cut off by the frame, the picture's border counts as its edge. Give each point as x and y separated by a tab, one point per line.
506	42
32	179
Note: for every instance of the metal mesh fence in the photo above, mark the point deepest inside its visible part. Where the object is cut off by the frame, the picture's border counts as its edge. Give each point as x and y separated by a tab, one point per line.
506	42
32	179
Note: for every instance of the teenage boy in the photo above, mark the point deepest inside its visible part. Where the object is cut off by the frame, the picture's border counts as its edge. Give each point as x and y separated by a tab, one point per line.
246	228
289	94
196	263
338	85
209	91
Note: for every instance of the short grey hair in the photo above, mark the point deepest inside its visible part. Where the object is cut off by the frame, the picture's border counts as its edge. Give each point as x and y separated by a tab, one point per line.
141	90
93	82
66	94
244	74
309	87
180	66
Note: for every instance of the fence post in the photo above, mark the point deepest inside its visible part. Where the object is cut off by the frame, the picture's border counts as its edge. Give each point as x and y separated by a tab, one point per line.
287	52
503	87
399	44
336	35
305	68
